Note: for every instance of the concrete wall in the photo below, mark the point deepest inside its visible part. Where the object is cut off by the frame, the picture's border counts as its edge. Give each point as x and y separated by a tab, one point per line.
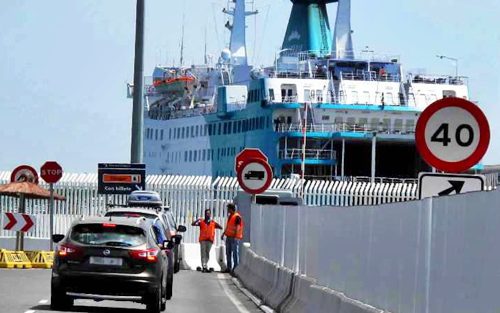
435	255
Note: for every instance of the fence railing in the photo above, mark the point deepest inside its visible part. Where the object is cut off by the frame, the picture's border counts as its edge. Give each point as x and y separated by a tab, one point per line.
189	196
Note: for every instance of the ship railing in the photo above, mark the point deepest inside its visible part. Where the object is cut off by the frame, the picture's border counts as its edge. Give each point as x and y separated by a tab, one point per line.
316	154
438	79
370	76
348	127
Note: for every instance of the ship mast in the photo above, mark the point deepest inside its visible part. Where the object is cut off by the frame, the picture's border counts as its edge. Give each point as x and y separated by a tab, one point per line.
237	44
182	41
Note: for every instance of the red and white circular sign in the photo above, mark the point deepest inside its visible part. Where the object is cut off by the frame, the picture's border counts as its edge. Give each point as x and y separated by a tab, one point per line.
452	134
24	173
255	176
51	172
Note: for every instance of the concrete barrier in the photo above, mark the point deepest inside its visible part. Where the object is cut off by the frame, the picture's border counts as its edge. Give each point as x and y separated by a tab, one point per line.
281	289
325	300
352	306
299	300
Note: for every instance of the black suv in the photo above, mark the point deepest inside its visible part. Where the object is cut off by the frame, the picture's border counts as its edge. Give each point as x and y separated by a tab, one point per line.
114	258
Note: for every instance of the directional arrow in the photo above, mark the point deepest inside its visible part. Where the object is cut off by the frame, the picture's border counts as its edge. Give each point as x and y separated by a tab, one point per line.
29	223
12	221
456	185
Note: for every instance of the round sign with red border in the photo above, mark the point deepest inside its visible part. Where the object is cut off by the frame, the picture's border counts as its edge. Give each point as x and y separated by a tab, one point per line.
24	173
255	175
452	134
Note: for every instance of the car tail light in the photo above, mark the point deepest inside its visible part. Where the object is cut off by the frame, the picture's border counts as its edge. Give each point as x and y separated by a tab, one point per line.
108	225
69	251
148	255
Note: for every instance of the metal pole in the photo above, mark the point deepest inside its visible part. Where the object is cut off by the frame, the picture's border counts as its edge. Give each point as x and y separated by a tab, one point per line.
20	234
374	151
137	112
51	212
343	158
303	163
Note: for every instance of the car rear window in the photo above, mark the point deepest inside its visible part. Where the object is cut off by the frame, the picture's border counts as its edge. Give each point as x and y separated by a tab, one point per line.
108	234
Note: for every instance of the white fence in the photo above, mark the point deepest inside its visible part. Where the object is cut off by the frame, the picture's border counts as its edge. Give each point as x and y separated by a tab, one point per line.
435	255
188	196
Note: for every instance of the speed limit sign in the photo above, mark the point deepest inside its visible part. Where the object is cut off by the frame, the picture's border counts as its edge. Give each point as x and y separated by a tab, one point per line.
452	134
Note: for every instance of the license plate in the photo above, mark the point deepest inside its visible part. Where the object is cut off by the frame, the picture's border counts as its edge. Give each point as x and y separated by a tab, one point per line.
106	261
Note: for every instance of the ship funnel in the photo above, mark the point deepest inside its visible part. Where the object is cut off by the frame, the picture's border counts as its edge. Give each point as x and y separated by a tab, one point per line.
308	28
342	39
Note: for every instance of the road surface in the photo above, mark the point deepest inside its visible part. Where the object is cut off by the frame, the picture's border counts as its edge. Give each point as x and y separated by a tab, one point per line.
28	291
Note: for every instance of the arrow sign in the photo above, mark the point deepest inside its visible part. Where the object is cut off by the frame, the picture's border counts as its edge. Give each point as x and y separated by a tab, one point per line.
18	222
456	185
438	185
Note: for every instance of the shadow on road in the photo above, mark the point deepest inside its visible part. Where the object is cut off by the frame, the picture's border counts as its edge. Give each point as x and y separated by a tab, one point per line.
89	309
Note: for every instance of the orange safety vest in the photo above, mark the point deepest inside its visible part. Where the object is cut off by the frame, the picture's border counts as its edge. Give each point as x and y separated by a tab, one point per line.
207	231
233	230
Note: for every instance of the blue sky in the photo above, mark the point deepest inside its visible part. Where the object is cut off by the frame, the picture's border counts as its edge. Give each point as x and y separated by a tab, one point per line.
64	64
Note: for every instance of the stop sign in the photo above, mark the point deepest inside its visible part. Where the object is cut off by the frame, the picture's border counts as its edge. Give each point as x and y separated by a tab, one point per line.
246	154
51	172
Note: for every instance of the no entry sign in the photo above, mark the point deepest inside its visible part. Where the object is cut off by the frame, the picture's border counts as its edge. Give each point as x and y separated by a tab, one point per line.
452	134
255	175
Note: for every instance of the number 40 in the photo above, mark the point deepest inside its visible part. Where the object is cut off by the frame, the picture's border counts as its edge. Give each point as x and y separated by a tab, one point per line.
442	135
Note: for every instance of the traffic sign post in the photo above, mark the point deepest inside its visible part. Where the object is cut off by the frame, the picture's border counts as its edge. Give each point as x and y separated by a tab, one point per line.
255	175
51	172
436	185
452	135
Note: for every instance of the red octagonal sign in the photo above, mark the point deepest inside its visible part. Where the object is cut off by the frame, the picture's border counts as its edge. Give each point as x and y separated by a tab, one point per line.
51	172
452	134
247	154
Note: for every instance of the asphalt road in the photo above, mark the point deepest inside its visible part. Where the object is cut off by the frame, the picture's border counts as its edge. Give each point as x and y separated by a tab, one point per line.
28	291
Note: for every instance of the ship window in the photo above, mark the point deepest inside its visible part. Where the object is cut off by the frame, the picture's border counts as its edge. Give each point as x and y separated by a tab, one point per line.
204	154
262	122
319	95
197	131
238	126
161	134
205	130
190	155
389	99
325	118
195	154
156	134
220	129
183	132
235	127
229	127
271	94
210	129
410	126
398	125
176	132
225	128
374	123
170	133
307	95
185	156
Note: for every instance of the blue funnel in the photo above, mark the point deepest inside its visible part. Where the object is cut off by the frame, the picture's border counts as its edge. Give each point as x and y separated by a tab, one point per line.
308	28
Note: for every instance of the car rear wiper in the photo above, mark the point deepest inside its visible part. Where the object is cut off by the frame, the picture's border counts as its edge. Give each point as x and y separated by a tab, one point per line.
117	244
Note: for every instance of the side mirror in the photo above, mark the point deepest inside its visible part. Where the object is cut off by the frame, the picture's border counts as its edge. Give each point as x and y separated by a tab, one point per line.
177	239
181	228
57	237
167	244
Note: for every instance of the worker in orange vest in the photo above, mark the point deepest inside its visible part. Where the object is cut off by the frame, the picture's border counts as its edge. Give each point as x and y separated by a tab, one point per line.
207	236
234	234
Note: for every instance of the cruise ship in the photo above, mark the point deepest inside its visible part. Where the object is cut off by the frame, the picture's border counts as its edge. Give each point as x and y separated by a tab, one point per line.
321	110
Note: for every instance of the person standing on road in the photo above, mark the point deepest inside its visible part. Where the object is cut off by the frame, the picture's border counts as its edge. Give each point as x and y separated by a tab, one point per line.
207	236
234	234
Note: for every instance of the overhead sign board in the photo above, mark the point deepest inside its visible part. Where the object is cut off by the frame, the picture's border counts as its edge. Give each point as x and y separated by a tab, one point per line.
18	222
437	185
121	178
255	175
24	173
452	135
